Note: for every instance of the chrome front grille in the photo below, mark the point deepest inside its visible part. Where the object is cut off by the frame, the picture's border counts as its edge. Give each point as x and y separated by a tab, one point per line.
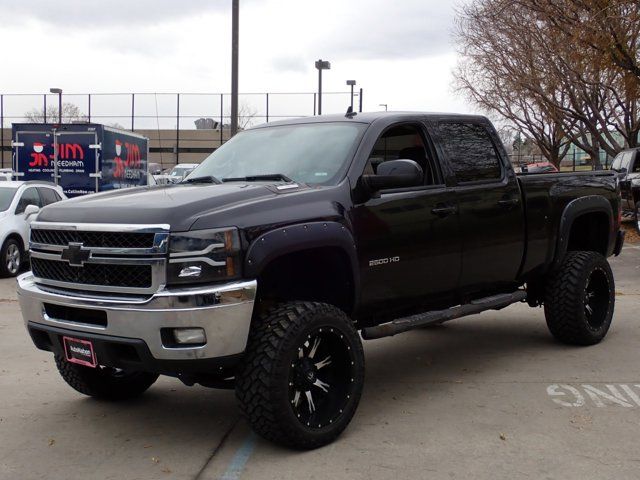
106	258
93	239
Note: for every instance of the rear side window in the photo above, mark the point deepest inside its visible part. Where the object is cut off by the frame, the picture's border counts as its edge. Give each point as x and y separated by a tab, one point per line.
49	196
471	152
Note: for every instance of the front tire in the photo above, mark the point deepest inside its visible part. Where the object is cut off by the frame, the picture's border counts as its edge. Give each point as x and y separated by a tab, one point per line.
302	376
12	255
105	383
580	299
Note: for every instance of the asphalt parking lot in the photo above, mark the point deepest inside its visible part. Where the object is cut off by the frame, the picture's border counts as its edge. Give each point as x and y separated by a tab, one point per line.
486	397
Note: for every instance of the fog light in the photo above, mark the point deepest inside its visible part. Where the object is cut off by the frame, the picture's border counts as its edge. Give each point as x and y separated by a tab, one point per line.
185	336
190	272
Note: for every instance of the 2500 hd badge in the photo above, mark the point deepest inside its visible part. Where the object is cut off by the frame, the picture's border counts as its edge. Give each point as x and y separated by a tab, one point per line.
383	261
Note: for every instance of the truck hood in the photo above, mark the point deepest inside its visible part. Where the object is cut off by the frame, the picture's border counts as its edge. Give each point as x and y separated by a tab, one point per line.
176	205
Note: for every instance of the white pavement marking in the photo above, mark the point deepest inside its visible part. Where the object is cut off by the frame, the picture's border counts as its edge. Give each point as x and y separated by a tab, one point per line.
575	396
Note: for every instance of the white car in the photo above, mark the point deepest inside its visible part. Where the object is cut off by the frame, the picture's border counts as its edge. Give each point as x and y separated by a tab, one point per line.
181	170
20	203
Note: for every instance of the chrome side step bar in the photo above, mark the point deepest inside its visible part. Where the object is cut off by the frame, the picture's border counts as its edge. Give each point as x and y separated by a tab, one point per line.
495	302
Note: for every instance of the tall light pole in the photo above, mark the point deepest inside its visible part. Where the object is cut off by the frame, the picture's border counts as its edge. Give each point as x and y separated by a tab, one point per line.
235	22
351	83
59	92
321	65
385	105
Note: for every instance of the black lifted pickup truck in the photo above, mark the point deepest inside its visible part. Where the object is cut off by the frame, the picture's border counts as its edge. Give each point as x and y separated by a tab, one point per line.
266	266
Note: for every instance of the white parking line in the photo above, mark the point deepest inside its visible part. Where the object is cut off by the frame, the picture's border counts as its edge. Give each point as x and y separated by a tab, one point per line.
622	395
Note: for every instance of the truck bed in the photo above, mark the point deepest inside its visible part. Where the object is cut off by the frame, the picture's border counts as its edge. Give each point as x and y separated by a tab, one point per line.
545	196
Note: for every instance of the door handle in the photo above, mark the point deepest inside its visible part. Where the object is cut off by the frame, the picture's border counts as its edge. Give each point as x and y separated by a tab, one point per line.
508	202
443	211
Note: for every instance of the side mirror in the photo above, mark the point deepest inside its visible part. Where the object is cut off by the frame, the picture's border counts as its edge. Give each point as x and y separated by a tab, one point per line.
395	174
31	210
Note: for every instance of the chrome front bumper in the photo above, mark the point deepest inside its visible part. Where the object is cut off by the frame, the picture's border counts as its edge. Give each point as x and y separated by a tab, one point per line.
223	311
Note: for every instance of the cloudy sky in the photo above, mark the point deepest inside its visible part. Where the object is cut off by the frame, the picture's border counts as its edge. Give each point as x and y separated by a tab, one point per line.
400	52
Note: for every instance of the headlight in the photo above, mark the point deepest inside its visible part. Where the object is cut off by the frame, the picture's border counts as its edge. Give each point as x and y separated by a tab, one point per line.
203	256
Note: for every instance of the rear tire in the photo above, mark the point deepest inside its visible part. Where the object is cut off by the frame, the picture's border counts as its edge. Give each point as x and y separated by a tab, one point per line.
580	299
105	383
302	376
12	258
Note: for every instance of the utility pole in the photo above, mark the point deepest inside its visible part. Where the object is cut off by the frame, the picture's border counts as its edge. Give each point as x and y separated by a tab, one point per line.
235	21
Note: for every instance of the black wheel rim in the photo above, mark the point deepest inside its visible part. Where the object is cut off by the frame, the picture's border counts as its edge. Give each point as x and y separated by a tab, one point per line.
596	298
321	378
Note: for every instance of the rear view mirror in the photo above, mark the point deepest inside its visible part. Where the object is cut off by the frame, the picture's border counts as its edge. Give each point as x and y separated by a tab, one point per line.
395	174
31	210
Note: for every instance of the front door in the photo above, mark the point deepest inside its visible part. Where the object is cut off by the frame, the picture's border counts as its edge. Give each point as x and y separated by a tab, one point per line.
408	239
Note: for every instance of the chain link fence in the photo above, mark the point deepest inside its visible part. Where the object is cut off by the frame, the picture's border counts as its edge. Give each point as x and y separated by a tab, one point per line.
170	118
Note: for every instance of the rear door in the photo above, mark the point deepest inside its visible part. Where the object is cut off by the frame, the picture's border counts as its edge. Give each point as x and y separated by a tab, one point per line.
33	154
77	162
491	210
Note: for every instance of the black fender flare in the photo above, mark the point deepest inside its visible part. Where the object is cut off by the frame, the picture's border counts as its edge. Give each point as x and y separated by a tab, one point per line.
295	238
576	208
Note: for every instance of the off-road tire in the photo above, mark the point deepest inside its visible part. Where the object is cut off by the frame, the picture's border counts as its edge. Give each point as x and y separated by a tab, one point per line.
569	291
105	383
14	245
264	385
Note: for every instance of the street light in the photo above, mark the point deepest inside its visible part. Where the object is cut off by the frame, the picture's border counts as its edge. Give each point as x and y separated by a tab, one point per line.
351	83
386	106
59	92
321	65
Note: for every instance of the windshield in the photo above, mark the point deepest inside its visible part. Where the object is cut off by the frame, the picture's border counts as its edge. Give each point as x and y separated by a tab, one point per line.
6	196
315	153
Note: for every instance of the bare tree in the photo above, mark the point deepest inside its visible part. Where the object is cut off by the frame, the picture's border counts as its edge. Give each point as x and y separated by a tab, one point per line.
500	77
247	114
71	113
540	70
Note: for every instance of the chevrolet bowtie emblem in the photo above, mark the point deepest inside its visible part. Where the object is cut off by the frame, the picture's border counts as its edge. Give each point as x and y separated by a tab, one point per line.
75	254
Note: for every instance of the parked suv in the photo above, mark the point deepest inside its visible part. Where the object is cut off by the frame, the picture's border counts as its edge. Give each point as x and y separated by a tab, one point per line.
19	204
265	267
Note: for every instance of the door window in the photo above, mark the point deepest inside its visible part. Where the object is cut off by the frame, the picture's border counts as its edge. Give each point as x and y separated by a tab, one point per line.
471	152
626	161
29	197
617	162
49	196
403	142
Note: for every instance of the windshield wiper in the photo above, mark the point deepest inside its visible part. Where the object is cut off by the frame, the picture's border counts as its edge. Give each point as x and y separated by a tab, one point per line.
209	179
275	177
